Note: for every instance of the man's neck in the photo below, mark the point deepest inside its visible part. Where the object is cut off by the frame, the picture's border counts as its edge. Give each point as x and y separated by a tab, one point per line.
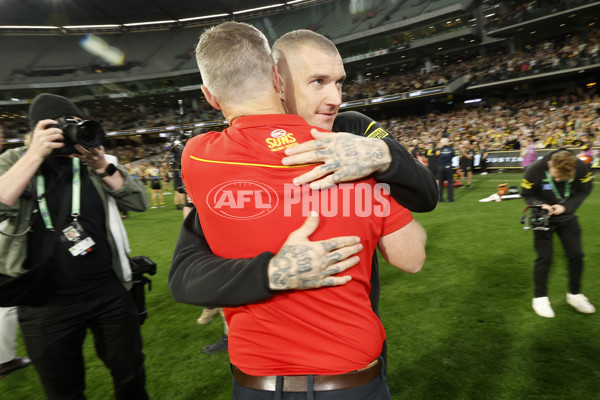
269	104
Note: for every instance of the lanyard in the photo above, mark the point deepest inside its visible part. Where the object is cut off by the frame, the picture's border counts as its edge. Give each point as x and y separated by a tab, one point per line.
567	187
75	200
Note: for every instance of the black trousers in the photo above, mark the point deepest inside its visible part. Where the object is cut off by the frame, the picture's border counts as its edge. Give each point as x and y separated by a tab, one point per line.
446	174
569	233
54	335
482	165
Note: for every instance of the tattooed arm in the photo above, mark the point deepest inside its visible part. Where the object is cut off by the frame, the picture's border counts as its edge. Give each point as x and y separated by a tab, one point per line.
411	183
199	277
345	156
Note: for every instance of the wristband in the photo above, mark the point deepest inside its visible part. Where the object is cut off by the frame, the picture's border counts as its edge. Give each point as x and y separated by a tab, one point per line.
109	171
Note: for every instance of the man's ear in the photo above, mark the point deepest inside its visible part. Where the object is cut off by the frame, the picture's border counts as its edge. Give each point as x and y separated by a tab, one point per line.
210	98
278	83
276	79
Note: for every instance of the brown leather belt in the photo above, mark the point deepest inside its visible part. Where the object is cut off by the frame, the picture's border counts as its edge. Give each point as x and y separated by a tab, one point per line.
299	383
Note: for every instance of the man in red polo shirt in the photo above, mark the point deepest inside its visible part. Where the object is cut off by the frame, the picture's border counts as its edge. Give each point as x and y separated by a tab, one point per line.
325	340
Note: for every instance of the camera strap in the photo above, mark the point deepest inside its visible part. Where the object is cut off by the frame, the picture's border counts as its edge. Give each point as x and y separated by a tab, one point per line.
75	198
555	190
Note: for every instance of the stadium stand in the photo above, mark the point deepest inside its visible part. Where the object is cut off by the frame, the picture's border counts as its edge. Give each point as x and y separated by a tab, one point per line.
416	68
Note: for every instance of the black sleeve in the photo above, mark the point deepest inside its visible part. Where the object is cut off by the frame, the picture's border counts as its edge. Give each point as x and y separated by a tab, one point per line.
412	184
531	184
582	187
199	277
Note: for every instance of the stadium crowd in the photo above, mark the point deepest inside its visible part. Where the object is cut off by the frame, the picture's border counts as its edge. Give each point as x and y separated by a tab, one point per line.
545	56
550	123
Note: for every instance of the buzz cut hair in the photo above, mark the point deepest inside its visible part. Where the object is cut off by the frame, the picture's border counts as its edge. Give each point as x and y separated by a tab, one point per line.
235	61
302	37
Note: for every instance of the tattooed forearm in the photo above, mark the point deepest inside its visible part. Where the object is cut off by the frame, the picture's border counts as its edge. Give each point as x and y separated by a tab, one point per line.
360	157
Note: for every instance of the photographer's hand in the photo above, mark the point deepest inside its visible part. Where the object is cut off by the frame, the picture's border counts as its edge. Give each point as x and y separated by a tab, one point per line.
43	141
95	159
557	209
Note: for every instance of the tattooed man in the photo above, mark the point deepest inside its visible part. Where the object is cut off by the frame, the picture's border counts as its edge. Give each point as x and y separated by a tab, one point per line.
326	340
312	91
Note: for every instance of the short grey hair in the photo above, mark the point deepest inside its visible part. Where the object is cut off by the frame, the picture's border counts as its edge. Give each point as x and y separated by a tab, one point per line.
234	60
302	37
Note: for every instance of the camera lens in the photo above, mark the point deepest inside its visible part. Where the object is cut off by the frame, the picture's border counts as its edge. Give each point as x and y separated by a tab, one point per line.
90	134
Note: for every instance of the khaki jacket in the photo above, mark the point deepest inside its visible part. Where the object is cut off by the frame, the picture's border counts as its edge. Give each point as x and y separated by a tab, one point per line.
13	249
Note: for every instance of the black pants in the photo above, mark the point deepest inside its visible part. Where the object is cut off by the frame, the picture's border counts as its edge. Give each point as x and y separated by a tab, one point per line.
569	233
446	174
54	335
377	389
482	165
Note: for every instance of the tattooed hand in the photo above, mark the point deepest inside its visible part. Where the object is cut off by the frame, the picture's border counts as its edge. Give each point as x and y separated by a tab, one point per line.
346	157
302	264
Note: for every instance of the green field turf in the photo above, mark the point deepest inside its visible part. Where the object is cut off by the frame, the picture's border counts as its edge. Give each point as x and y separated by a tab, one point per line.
462	328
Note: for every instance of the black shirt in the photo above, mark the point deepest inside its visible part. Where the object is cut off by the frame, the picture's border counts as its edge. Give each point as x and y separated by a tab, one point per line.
71	275
445	156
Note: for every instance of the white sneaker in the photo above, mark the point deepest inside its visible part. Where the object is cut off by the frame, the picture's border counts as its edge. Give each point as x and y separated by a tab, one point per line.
541	306
580	303
207	315
484	173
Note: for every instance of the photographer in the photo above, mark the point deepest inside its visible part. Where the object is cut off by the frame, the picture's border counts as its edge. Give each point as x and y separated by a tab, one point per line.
559	183
68	262
173	157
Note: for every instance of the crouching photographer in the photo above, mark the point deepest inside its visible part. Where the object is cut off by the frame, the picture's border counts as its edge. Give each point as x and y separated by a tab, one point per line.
63	256
557	184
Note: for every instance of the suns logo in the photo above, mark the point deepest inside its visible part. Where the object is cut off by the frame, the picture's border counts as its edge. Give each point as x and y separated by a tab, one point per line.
279	143
277	133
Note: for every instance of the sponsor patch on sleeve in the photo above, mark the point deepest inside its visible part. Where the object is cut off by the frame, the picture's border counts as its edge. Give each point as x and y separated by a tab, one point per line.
378	134
588	177
526	184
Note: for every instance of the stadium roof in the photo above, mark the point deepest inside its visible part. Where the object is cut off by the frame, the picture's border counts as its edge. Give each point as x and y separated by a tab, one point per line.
121	12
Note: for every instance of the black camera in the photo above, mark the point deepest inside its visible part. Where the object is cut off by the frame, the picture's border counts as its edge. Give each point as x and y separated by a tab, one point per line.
88	134
538	219
175	149
141	265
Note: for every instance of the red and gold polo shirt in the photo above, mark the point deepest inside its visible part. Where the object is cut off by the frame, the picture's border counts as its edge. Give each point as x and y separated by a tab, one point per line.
247	205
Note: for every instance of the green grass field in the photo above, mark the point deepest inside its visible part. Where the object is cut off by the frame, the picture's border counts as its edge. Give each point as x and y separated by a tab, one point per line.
462	328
